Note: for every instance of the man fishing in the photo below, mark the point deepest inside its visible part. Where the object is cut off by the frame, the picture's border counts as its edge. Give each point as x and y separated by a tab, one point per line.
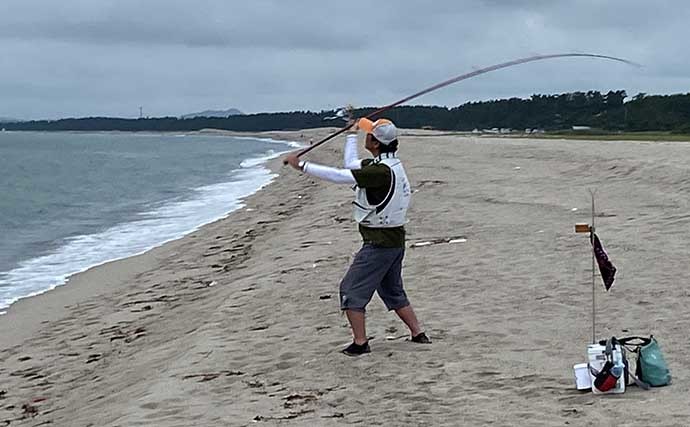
381	202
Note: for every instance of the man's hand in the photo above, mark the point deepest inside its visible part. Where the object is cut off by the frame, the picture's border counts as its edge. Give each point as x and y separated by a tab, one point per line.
354	125
293	161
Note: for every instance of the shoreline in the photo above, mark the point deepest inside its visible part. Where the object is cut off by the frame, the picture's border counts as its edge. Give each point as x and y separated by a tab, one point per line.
239	322
641	136
258	163
23	318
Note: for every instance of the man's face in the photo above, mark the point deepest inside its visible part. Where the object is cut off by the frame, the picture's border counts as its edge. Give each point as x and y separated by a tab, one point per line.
371	145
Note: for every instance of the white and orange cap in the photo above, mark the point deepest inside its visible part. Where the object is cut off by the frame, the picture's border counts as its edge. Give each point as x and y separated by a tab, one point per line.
382	129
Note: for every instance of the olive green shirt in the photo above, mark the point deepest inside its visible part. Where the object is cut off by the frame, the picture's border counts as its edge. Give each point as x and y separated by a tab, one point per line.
376	179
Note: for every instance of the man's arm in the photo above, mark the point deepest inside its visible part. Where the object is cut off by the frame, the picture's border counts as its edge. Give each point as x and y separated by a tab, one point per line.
327	173
351	161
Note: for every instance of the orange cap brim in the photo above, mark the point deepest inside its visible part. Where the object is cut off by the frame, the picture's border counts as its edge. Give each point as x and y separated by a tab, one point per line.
366	125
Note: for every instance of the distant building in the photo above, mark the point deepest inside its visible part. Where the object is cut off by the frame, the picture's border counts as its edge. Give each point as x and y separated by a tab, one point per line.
582	128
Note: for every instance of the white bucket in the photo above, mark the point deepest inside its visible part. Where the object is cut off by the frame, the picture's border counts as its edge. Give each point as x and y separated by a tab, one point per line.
582	379
597	357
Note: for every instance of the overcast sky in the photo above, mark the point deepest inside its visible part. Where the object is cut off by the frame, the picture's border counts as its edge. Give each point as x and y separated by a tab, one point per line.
73	58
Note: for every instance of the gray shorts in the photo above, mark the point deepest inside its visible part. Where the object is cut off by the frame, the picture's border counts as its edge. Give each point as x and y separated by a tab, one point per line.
374	269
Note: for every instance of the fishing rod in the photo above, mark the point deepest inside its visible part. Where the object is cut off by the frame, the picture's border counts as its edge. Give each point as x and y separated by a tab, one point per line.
460	78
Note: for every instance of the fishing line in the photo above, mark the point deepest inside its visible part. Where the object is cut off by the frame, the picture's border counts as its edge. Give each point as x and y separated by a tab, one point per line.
465	77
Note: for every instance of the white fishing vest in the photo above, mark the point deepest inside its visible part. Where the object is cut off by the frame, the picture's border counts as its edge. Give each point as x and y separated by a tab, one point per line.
391	211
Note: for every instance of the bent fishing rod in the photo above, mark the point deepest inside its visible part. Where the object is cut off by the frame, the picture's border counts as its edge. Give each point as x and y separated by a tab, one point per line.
460	78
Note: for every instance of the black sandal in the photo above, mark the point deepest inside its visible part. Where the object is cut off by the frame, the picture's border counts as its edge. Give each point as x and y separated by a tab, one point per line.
421	338
357	349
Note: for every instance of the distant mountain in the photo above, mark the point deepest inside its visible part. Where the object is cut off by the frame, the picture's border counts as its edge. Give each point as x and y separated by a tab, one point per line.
214	113
9	120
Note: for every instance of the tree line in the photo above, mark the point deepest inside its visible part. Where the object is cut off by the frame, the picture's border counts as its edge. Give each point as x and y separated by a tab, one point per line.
605	111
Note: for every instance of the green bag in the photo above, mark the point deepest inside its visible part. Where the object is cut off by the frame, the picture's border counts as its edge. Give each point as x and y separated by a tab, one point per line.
651	366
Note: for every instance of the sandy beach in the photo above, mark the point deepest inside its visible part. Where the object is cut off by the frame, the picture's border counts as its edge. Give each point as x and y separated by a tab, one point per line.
238	323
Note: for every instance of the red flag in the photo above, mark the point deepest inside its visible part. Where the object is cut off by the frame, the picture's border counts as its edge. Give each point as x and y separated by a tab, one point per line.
608	271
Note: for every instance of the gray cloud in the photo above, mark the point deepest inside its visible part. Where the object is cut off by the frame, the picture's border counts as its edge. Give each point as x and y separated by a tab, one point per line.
259	24
108	57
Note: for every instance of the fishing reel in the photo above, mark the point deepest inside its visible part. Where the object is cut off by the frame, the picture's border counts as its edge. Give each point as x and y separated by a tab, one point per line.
343	113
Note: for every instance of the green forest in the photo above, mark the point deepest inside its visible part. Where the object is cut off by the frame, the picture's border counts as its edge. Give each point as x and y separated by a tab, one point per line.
601	111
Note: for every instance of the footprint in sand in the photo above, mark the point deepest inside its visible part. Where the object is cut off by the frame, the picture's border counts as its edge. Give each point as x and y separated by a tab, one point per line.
289	356
283	365
150	405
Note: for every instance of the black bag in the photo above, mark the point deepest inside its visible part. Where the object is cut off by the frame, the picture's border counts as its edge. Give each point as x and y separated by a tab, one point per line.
629	376
610	344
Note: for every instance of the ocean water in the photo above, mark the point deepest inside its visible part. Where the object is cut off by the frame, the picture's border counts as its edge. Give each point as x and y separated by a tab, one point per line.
70	201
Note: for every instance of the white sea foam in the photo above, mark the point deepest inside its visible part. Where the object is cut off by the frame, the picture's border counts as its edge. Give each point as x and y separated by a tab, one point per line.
271	154
277	141
155	227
